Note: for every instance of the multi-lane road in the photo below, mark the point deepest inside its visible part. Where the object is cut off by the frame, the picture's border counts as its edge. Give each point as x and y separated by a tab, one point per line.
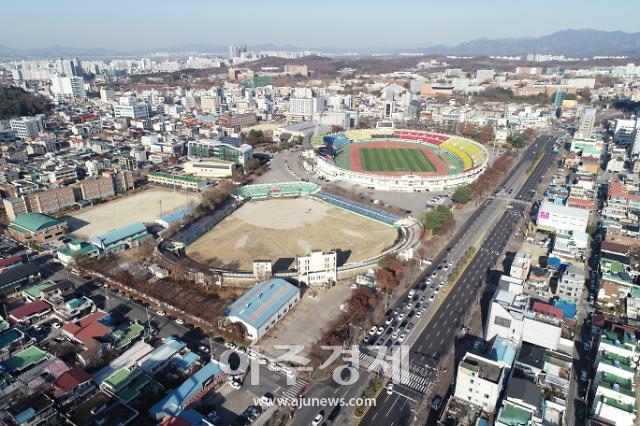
499	217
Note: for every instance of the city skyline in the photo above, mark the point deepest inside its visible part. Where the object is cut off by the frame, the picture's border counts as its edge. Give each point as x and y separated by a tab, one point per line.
126	27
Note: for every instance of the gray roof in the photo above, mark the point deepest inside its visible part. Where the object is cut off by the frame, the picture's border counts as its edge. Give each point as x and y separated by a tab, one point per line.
524	390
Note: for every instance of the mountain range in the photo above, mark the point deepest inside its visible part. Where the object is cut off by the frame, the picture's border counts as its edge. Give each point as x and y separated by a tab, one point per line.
581	43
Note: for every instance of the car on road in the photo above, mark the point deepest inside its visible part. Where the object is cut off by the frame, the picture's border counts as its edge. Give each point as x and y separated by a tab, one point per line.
235	385
389	388
334	413
161	313
179	321
267	399
318	418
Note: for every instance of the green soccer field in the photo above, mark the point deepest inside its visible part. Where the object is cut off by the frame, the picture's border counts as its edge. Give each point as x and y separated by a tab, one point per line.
395	160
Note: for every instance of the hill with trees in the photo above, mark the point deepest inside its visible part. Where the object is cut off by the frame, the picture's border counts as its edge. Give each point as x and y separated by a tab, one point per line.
16	102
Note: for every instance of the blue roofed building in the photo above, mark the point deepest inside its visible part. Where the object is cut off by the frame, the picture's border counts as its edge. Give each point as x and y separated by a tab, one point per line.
121	238
171	218
260	308
160	357
190	391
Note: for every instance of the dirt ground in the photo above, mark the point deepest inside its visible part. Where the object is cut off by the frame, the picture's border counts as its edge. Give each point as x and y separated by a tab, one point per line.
280	229
143	206
306	322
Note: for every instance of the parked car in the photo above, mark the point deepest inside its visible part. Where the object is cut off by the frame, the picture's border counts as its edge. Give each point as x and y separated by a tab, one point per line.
390	388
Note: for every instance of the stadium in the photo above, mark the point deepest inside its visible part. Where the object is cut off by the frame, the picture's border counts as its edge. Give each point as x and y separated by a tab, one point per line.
280	221
400	160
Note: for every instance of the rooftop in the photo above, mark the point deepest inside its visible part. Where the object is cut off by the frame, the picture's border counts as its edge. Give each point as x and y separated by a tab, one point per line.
117	235
34	222
27	357
259	304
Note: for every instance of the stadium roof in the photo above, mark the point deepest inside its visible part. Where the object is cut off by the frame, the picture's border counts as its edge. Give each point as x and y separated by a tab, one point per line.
259	304
34	222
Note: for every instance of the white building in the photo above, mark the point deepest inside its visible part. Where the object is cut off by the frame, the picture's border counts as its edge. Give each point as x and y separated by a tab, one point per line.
506	315
305	107
318	268
625	131
259	309
562	219
27	127
520	266
68	87
138	110
209	168
479	382
571	283
587	121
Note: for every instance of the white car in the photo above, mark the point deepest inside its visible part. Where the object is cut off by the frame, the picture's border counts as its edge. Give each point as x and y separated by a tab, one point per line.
400	316
428	281
418	314
179	321
55	325
317	419
373	330
408	307
394	334
431	298
390	388
289	372
235	385
389	320
402	337
161	313
380	330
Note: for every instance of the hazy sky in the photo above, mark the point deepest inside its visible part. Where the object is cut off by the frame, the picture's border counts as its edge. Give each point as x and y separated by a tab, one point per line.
144	24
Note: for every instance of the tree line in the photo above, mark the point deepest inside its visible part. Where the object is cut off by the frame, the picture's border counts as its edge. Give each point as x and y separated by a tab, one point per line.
16	102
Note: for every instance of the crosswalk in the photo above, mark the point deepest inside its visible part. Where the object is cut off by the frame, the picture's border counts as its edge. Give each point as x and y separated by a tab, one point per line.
292	392
394	373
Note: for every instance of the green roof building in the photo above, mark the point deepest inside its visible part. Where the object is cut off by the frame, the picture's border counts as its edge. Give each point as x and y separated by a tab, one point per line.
37	227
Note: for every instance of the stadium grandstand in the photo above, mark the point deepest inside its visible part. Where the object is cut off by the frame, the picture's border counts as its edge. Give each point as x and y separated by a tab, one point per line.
287	189
358	208
400	160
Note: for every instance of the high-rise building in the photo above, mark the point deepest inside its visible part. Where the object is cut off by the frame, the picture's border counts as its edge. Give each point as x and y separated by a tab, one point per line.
68	87
587	121
138	110
625	131
69	67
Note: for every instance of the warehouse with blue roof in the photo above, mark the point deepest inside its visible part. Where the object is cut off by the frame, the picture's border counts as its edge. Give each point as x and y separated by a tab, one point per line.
121	238
259	309
190	391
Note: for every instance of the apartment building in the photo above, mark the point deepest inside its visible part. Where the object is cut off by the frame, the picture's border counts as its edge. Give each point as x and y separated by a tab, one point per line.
571	283
97	188
479	382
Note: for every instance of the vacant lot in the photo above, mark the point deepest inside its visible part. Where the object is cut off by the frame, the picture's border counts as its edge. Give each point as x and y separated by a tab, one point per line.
143	206
281	229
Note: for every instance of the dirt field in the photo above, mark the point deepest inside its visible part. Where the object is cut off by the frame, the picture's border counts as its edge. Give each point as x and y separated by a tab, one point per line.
140	207
280	229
